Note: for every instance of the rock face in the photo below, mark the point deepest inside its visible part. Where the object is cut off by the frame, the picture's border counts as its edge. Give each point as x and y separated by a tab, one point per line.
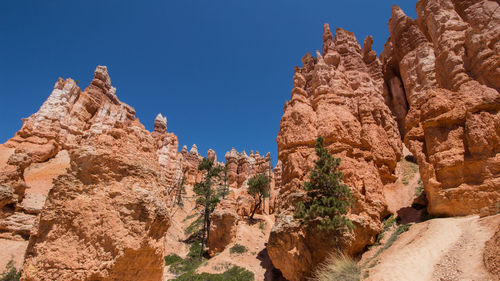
443	80
86	183
241	166
222	231
338	95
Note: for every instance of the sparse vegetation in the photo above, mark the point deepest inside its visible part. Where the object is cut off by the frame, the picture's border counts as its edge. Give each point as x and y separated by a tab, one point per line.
221	266
171	259
328	198
206	197
224	190
193	260
194	226
10	273
190	217
387	224
409	169
235	273
401	229
262	225
238	249
257	187
181	190
338	268
420	188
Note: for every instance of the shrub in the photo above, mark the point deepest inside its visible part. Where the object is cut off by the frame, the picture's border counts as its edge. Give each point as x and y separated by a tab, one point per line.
338	267
238	249
171	259
194	249
235	273
390	241
189	264
10	273
262	225
420	188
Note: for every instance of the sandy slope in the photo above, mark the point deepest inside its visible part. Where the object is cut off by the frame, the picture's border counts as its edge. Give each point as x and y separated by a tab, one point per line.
253	236
439	249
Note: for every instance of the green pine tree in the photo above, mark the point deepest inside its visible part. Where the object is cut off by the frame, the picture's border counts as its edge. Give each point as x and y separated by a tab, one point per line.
257	187
328	198
206	197
181	190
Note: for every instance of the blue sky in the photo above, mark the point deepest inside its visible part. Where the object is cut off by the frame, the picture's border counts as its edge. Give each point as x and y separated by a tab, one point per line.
220	71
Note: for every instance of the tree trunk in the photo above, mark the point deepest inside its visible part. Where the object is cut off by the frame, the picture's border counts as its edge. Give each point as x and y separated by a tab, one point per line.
255	208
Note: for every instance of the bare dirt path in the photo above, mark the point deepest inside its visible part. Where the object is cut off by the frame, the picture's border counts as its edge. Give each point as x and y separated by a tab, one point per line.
438	249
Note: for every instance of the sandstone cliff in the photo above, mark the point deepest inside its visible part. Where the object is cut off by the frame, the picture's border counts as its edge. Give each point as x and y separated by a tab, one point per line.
96	179
436	86
339	95
443	79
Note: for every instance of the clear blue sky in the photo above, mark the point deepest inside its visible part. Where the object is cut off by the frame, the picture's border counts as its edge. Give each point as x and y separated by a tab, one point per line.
220	71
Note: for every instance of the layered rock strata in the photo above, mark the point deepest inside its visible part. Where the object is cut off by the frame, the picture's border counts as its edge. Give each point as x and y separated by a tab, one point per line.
339	94
241	166
442	72
85	182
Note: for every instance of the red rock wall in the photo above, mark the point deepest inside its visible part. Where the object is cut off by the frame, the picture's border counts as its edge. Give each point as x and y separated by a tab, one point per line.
103	218
448	60
339	95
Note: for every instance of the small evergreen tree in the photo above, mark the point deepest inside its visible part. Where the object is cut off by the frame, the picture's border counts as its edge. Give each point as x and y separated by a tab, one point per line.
224	189
206	197
257	187
328	198
181	190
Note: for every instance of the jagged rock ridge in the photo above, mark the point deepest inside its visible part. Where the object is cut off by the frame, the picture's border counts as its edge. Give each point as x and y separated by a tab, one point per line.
339	95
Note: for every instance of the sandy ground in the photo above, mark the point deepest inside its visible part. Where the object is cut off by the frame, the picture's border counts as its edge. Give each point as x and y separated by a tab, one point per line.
255	259
12	250
399	195
446	249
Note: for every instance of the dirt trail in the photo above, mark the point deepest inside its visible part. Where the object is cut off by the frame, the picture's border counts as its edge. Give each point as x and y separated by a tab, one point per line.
439	249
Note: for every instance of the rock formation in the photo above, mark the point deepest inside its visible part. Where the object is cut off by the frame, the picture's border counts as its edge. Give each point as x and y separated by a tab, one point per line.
241	166
339	95
92	173
443	79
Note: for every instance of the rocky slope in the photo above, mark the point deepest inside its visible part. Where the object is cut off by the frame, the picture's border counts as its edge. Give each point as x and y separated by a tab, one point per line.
92	189
88	168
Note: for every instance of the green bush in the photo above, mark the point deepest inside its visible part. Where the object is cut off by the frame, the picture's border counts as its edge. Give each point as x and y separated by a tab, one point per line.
194	249
238	249
189	264
235	273
10	273
338	268
171	259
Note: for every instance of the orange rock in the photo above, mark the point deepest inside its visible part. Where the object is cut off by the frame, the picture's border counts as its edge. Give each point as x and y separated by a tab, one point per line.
447	60
223	222
338	95
100	178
